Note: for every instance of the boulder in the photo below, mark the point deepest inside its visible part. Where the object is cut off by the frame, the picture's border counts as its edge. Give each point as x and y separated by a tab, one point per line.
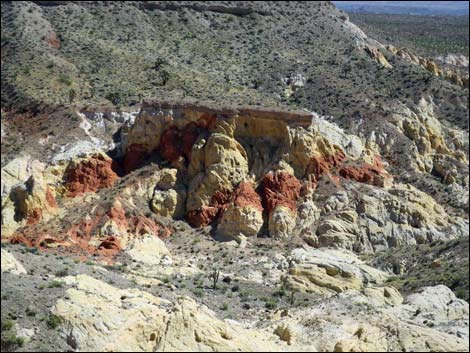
10	264
328	271
281	222
242	216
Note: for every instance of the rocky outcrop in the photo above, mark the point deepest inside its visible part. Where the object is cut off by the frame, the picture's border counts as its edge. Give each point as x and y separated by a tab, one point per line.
33	200
89	175
281	222
374	173
147	323
430	65
280	191
419	143
28	193
168	197
376	52
246	171
205	143
458	60
242	215
378	56
330	271
365	218
10	264
105	231
311	153
379	319
224	165
217	150
148	250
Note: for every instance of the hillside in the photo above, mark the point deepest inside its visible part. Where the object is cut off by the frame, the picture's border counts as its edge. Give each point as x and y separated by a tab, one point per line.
229	176
429	36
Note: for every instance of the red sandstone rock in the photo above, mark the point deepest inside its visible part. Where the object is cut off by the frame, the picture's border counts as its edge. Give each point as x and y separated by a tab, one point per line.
243	195
134	157
34	216
117	214
76	238
175	143
89	175
366	173
319	166
205	215
202	217
207	121
188	137
170	144
39	240
280	188
21	239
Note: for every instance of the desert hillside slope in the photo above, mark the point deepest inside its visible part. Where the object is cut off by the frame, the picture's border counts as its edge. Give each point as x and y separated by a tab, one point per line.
228	175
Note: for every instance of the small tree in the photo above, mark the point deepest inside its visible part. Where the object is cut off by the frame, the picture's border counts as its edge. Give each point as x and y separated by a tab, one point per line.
114	97
72	95
165	76
292	297
159	63
215	277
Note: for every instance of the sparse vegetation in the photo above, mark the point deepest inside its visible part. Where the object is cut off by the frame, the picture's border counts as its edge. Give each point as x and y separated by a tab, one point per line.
72	95
214	276
114	97
9	339
419	270
53	321
62	273
55	284
198	292
65	79
428	36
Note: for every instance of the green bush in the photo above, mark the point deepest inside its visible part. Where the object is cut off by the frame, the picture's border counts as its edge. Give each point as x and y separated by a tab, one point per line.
65	79
7	324
53	321
10	341
198	292
269	303
55	284
30	312
62	273
114	97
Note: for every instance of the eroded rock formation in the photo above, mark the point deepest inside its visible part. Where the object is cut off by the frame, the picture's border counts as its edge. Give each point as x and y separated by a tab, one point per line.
219	151
89	175
244	171
93	307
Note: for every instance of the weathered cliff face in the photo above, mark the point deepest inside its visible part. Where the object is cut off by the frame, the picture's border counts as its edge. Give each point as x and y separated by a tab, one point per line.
249	171
244	172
